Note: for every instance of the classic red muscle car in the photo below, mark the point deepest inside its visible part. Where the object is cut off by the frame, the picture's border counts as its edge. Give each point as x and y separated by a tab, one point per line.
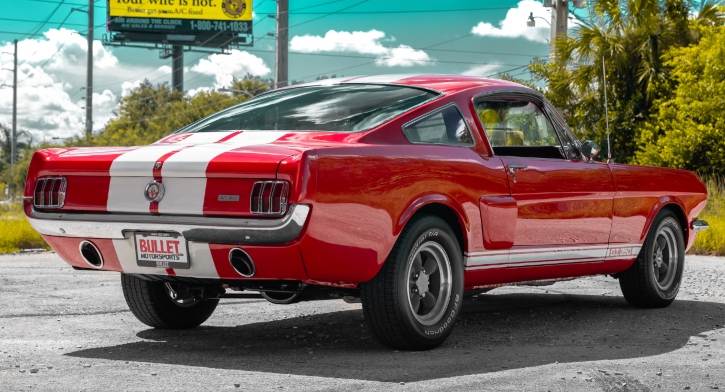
403	191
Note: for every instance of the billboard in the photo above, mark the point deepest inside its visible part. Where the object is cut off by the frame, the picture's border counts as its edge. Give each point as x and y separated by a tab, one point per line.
180	16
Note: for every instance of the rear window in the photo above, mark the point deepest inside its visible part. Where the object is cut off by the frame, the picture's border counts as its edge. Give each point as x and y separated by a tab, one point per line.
340	108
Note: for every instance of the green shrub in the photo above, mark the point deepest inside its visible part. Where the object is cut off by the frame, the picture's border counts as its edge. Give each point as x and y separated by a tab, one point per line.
712	240
16	232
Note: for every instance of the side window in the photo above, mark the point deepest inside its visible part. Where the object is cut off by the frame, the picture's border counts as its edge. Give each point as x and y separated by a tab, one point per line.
444	127
510	123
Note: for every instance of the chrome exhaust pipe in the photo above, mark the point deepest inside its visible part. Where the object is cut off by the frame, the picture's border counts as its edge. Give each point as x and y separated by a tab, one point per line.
91	254
242	262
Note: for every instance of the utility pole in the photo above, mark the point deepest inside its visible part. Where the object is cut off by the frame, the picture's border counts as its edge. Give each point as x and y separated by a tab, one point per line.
89	75
14	143
177	68
281	58
559	23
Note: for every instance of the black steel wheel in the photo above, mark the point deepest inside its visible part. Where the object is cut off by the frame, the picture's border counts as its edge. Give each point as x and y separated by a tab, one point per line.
653	281
414	300
165	305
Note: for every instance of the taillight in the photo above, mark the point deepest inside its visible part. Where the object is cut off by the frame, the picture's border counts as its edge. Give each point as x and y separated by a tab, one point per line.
269	197
50	192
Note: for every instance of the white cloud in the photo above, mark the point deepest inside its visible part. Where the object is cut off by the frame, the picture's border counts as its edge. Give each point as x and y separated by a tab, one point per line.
127	87
224	67
514	25
363	42
482	71
52	72
195	91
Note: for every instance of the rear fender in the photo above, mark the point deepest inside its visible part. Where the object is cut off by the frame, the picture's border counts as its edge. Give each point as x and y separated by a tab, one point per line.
430	199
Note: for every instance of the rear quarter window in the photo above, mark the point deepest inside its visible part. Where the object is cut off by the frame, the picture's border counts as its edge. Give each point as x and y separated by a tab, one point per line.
443	126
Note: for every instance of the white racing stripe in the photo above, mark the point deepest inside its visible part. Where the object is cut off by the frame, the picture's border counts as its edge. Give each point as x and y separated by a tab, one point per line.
130	173
193	161
183	173
523	257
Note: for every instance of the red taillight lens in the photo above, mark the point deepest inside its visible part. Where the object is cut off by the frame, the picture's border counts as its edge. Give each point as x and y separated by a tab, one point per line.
269	197
50	192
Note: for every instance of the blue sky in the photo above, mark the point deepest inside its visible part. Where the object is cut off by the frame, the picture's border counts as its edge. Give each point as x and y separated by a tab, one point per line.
343	37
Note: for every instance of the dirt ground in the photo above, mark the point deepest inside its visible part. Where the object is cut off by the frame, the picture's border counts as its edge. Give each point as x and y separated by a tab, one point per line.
62	329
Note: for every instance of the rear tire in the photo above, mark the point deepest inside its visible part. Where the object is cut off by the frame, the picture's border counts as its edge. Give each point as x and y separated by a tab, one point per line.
153	305
653	281
414	300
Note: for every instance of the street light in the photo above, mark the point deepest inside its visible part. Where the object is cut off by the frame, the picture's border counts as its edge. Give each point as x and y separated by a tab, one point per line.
532	23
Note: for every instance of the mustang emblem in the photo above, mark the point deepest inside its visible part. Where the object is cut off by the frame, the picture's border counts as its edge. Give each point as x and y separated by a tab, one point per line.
157	165
154	191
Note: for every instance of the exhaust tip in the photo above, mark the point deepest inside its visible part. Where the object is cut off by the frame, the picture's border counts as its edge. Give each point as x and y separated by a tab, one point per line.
242	263
91	254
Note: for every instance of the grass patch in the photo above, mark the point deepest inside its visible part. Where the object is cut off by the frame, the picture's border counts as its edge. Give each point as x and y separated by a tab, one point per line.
15	231
712	240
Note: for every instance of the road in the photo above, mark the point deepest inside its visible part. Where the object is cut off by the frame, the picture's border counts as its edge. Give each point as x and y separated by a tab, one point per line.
62	329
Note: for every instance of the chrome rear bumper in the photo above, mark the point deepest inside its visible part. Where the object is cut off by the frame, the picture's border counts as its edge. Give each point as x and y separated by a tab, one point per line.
238	231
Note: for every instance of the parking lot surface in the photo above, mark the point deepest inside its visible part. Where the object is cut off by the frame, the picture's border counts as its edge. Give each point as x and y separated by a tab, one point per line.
62	329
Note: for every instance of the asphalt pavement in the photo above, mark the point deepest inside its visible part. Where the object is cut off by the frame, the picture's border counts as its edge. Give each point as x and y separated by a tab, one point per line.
62	329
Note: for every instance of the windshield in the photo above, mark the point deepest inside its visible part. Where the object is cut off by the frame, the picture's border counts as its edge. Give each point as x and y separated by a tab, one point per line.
340	108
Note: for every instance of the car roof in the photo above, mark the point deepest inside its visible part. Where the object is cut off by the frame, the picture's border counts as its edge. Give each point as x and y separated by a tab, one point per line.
446	84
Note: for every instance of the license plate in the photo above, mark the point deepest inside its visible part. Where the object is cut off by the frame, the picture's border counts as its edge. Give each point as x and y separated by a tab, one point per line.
161	250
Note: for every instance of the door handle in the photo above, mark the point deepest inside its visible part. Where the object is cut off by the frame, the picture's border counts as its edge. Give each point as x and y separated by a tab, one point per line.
514	168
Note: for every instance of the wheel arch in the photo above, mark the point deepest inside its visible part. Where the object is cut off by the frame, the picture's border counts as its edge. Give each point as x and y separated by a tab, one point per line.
443	207
666	203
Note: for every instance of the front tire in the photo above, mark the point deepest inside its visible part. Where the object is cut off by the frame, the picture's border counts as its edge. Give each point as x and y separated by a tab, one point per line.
653	281
162	305
414	300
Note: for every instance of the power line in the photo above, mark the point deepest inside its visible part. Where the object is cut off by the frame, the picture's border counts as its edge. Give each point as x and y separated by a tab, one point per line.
16	33
36	21
404	11
316	5
56	2
376	58
48	18
328	14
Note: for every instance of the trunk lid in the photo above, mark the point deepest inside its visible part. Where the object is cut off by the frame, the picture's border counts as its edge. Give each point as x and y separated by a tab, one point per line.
202	173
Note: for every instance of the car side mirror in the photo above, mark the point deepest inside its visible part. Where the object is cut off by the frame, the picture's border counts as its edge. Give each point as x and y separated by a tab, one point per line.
589	150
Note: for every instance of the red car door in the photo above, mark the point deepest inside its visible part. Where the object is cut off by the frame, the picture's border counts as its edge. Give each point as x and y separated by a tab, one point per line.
564	204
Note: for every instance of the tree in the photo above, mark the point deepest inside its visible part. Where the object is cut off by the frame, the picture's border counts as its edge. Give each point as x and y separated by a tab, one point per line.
150	112
687	129
630	37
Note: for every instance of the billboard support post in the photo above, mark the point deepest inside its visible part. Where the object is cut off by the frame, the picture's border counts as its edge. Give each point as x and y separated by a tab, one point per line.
177	68
281	57
177	26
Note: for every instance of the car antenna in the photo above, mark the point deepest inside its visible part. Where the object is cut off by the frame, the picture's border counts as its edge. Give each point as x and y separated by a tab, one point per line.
606	111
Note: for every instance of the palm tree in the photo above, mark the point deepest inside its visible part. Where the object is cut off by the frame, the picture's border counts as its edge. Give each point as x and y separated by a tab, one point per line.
630	37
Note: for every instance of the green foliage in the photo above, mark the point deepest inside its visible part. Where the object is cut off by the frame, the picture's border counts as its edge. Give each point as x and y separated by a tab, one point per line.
151	112
687	128
16	232
712	240
630	37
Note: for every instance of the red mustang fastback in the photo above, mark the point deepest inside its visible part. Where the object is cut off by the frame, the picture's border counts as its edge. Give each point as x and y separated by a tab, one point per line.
403	191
